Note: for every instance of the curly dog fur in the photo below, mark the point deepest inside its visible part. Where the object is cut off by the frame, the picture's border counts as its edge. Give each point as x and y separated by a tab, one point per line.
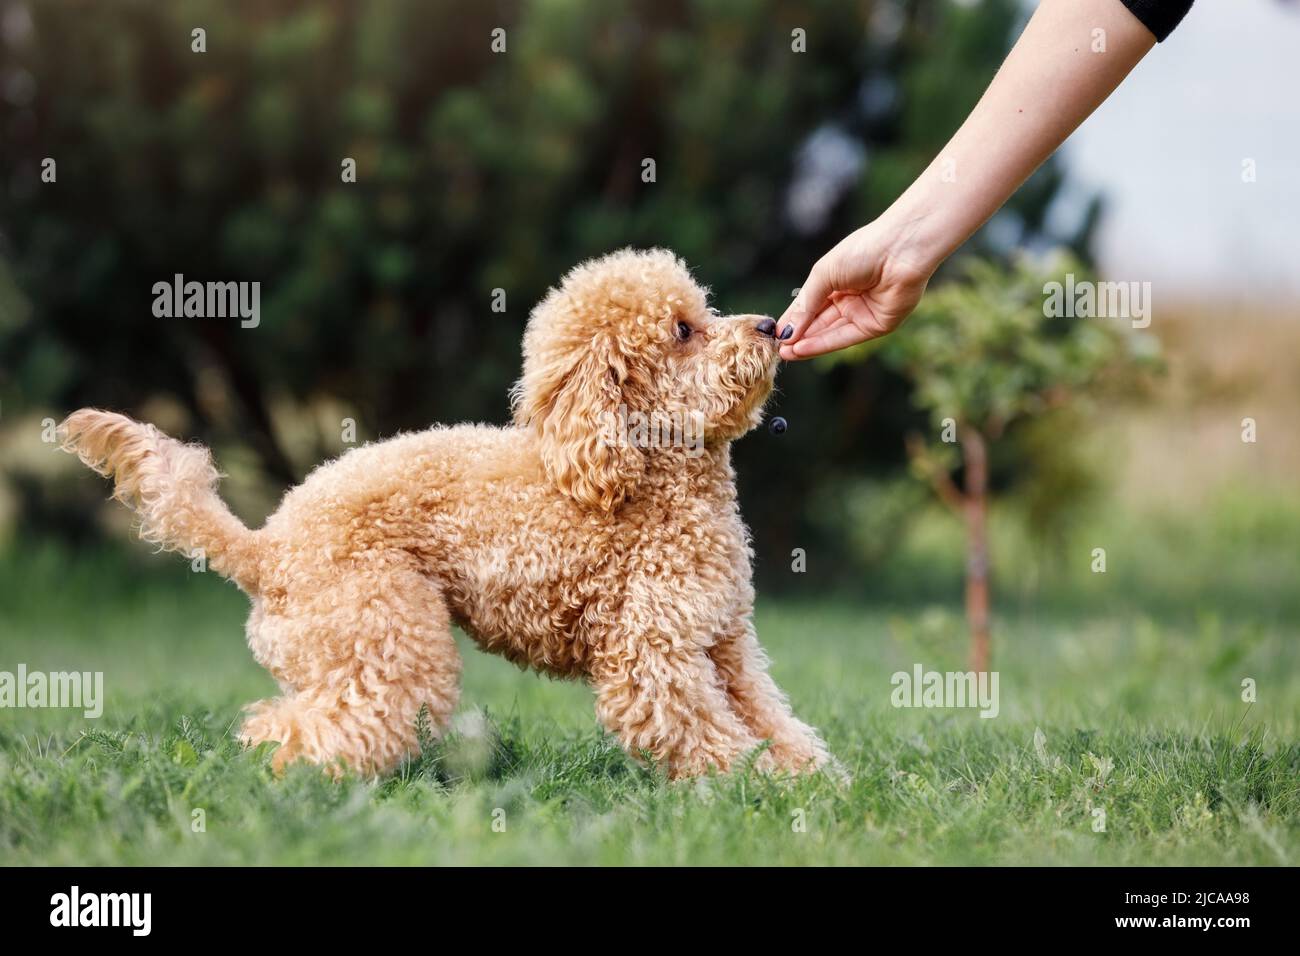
546	541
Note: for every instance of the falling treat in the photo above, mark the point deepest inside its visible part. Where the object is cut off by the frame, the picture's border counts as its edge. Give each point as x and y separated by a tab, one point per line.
777	425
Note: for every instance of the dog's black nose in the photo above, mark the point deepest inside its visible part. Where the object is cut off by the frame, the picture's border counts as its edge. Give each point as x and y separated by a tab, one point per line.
766	327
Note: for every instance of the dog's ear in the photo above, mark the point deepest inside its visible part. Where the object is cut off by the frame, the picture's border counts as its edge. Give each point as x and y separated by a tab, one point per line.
576	415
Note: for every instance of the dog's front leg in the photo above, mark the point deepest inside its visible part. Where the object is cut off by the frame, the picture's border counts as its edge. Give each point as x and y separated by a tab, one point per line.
742	665
662	696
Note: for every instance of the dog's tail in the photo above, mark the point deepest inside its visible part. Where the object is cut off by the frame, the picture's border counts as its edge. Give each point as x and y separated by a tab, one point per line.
170	485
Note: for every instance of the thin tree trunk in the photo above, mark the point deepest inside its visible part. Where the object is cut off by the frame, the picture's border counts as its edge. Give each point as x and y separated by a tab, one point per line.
975	457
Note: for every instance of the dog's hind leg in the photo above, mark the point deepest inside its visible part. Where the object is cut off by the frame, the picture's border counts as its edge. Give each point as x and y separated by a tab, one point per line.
755	697
360	659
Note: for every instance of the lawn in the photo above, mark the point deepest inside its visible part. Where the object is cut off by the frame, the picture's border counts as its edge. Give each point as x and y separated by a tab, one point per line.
1122	738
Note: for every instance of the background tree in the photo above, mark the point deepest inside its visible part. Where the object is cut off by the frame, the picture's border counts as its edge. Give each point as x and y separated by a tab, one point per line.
986	358
476	171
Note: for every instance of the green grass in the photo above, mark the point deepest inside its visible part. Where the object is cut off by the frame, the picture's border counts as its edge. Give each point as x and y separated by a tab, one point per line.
1113	709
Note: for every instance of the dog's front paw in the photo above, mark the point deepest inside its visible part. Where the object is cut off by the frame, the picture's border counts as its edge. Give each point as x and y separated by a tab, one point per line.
837	772
300	732
807	756
263	725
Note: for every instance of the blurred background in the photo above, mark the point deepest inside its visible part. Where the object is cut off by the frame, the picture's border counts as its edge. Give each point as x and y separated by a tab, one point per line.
480	170
1173	451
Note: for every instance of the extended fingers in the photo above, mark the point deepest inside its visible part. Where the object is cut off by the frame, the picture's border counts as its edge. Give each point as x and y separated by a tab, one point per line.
811	300
848	320
839	336
830	317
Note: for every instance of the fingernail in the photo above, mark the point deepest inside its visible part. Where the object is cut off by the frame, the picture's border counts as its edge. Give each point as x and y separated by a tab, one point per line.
786	332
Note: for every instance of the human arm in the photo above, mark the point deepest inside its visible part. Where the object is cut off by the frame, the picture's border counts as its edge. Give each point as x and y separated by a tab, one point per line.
1059	71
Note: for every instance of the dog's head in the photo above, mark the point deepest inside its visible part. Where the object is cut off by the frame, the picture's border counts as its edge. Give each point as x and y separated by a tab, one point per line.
625	352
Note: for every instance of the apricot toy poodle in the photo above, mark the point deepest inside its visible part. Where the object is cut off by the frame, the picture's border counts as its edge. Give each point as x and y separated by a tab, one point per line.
567	542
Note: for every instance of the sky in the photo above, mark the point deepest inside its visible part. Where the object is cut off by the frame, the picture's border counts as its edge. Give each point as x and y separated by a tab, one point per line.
1167	150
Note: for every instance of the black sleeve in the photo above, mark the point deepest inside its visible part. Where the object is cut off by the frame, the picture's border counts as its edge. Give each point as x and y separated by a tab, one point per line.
1159	16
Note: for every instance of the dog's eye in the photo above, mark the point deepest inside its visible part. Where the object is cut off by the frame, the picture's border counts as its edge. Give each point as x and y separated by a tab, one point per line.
683	331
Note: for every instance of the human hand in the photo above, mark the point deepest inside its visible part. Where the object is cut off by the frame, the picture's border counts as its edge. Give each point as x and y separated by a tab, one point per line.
862	289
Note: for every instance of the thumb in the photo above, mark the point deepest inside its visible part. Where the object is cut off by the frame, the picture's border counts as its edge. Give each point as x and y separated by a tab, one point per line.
807	305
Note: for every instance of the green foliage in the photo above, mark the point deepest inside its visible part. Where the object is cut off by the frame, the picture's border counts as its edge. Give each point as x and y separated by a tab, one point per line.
984	352
989	363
